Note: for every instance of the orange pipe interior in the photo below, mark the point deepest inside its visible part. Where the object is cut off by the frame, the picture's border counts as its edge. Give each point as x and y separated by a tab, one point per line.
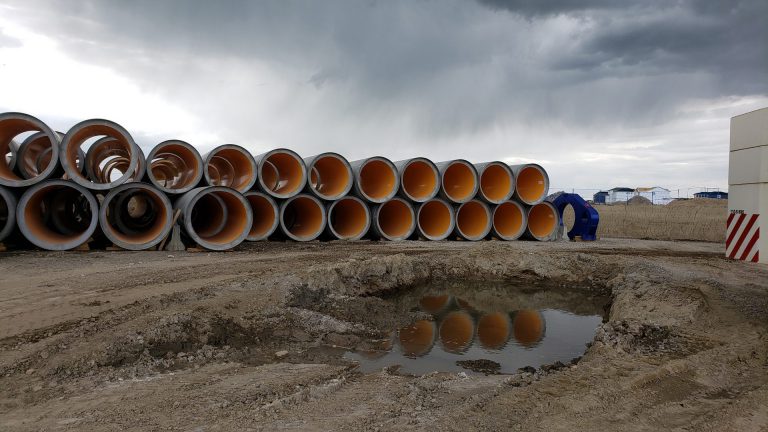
158	220
231	167
528	327
531	185
330	176
210	216
434	304
496	183
42	203
493	330
349	218
456	331
542	220
395	219
417	339
508	220
306	217
36	156
459	181
377	179
435	219
174	166
118	146
264	215
282	174
472	219
9	129
419	180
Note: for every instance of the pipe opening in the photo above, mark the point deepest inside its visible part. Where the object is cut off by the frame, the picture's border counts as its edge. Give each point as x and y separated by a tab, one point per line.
418	338
459	181
378	180
395	219
230	166
264	216
542	220
493	330
419	180
107	160
58	213
330	176
435	219
137	215
303	218
112	158
531	184
15	128
349	218
282	173
473	220
528	327
509	220
174	166
35	156
496	183
219	217
457	331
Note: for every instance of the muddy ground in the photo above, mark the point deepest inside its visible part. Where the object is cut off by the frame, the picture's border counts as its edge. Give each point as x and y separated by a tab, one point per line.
253	339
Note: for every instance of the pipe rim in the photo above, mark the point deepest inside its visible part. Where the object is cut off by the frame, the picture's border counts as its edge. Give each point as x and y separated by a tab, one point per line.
358	180
348	168
77	241
545	177
323	218
275	216
302	181
198	176
551	234
377	216
109	230
7	177
217	246
507	171
488	225
524	216
435	190
451	224
9	201
248	158
475	188
362	232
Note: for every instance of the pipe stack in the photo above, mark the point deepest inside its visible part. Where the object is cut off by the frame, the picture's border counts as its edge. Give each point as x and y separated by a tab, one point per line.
94	185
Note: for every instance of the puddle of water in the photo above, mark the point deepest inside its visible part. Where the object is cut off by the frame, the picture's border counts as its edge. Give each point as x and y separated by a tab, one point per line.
504	327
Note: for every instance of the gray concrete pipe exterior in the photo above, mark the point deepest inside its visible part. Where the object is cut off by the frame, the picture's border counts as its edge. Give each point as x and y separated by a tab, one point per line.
393	220
45	218
215	217
531	183
302	217
329	176
349	218
419	179
281	173
266	215
231	166
473	220
135	216
376	179
497	182
458	181
510	220
543	222
13	124
8	204
174	167
435	220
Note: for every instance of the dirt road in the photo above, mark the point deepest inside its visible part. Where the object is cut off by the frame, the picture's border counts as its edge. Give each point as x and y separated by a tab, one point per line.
253	339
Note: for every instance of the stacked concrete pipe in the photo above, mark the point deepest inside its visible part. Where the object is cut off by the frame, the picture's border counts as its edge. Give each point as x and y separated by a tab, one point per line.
230	165
174	167
215	217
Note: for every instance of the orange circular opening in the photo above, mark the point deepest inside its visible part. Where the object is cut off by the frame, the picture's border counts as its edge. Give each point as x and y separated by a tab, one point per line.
473	220
434	304
508	220
146	208
282	173
395	219
528	327
221	218
456	331
531	184
56	214
349	218
493	330
542	220
496	183
9	129
231	167
264	216
417	339
114	146
378	180
419	180
174	166
330	176
303	218
435	219
459	181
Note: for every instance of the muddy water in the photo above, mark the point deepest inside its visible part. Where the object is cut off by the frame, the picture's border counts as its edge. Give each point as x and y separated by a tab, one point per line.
487	328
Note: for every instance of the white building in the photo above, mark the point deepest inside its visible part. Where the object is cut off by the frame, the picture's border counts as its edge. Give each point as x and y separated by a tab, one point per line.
619	195
656	194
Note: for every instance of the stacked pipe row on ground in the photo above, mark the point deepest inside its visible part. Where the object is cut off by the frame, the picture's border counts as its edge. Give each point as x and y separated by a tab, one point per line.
93	184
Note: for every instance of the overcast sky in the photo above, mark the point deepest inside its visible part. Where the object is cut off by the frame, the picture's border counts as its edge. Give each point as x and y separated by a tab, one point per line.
602	93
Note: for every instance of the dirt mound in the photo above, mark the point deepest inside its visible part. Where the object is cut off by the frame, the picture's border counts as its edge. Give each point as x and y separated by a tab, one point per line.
639	200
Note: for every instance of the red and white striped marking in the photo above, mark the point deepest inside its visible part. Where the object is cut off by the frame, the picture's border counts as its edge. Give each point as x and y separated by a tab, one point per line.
741	236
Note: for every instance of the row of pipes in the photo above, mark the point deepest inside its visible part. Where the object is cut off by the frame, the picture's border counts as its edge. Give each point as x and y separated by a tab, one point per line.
57	194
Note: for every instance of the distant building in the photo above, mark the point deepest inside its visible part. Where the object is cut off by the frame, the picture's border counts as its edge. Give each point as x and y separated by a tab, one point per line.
712	195
656	194
600	197
619	195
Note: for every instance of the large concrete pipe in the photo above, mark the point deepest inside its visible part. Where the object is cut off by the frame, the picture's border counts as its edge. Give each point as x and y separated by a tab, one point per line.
215	217
135	216
35	154
528	327
473	220
435	220
174	167
510	219
531	183
497	183
7	213
12	125
419	179
330	176
230	165
493	330
57	215
118	157
348	218
458	181
376	179
107	159
266	216
543	222
393	220
457	331
282	173
418	338
302	217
